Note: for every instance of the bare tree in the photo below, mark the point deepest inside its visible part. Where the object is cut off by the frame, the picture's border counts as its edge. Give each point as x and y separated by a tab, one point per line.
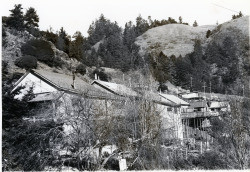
233	134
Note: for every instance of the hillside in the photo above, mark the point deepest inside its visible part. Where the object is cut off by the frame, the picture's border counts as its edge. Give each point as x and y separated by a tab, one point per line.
172	39
219	56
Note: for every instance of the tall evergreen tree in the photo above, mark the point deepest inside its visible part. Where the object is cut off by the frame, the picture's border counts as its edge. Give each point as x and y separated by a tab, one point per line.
195	24
180	20
16	19
31	18
63	41
76	46
141	25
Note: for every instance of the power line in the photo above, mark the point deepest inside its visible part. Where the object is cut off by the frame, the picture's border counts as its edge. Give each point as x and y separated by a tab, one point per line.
225	8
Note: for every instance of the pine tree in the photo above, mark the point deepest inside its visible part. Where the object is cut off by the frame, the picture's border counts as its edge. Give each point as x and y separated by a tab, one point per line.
63	41
31	18
141	25
195	24
180	20
16	19
76	46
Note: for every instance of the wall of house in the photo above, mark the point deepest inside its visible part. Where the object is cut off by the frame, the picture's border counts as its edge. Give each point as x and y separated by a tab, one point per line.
171	121
39	86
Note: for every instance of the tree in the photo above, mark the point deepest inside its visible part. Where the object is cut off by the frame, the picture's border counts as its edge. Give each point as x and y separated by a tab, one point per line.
26	62
208	33
237	16
31	18
63	41
141	25
195	24
232	134
16	19
180	20
76	49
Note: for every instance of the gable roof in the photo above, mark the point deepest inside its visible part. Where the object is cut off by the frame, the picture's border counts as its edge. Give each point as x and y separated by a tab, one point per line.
174	99
150	95
215	104
199	104
62	82
114	88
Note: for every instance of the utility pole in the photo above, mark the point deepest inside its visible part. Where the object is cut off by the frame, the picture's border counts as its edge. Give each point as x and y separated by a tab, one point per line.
191	84
210	90
204	93
204	89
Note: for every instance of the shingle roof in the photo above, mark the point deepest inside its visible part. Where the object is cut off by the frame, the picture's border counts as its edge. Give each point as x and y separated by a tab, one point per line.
64	83
215	104
116	88
199	104
174	99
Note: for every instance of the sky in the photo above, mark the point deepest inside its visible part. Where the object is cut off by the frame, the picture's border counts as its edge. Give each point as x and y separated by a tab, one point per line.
77	15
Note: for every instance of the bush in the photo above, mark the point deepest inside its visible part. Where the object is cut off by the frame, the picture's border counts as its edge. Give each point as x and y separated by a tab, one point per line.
100	73
40	49
26	62
211	161
4	41
81	68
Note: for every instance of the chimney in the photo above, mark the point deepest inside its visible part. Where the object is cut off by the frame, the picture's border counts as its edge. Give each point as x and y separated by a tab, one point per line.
95	76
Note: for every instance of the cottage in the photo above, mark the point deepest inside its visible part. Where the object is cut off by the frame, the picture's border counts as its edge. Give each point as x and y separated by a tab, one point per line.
60	91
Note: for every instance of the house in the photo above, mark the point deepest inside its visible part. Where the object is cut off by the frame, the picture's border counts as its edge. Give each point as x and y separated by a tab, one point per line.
216	106
59	90
48	84
199	106
168	110
175	100
114	88
191	96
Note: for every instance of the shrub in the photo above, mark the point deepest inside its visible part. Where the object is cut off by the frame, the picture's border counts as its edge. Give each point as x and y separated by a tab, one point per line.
27	62
81	68
40	49
100	73
4	41
211	161
208	33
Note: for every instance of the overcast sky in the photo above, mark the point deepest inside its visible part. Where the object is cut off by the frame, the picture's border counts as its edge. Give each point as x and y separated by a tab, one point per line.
77	15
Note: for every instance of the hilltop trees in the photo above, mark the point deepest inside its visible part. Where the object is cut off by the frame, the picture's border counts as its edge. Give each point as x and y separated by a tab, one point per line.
195	24
76	46
237	16
16	19
19	21
31	18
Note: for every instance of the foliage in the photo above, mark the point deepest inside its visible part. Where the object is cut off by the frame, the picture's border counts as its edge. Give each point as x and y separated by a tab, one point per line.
208	33
237	16
195	24
26	62
16	19
163	68
76	49
49	35
42	51
63	41
81	68
4	41
101	74
112	47
31	18
231	132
